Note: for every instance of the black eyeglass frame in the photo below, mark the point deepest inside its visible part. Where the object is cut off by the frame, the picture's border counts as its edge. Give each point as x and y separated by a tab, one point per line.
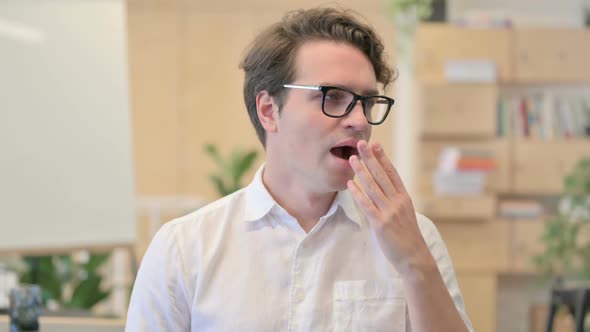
356	97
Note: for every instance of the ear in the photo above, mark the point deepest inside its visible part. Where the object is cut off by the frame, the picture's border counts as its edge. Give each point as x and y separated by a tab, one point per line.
268	111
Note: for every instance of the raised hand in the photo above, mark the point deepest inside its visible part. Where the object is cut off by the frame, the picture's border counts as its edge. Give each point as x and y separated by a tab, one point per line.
382	197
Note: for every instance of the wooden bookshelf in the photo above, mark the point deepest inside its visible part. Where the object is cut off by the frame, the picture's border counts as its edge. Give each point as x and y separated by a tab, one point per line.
465	115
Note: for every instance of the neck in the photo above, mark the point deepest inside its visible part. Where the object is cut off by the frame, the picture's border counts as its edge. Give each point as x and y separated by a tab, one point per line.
303	204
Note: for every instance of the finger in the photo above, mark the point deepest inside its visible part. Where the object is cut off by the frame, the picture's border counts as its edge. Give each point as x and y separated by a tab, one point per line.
375	168
367	182
366	205
389	169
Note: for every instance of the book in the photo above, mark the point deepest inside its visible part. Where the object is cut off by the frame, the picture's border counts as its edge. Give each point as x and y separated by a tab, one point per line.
471	164
520	209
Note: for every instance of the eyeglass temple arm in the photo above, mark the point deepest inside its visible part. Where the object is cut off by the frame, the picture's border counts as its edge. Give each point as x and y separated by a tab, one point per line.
306	87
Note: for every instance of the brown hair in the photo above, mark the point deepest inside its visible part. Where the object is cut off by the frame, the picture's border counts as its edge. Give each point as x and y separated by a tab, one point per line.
270	59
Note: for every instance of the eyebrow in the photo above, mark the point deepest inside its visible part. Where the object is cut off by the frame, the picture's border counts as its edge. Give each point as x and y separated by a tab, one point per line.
370	92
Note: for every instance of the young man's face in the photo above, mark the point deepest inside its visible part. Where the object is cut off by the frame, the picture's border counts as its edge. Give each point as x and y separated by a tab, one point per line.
311	143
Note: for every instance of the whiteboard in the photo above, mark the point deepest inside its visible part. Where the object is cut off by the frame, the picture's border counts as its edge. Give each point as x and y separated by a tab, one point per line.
66	177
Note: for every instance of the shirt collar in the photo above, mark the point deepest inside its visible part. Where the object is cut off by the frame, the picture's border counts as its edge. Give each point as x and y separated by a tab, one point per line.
347	204
259	202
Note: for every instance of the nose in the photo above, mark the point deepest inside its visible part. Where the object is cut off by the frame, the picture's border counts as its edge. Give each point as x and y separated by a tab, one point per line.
356	118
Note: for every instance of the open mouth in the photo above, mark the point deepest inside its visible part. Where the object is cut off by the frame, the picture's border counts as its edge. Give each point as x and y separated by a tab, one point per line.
344	152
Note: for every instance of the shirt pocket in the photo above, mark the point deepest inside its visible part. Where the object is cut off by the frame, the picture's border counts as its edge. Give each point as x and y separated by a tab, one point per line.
369	305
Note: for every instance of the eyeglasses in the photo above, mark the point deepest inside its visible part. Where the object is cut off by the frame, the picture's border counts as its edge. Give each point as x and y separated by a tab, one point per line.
338	102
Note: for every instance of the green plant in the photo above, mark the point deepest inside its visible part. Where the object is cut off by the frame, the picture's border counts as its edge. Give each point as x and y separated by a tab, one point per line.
406	15
421	8
567	235
230	172
56	273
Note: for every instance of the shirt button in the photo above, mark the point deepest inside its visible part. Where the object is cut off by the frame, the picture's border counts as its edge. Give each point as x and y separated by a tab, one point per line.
298	296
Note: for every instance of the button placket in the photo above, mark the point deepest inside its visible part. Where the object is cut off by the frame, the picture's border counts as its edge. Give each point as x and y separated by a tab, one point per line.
301	261
298	287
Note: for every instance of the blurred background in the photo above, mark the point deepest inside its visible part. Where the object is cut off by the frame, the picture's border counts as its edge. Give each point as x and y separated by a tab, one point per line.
118	116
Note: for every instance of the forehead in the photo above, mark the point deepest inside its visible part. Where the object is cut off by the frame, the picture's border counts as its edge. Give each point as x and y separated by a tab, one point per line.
325	62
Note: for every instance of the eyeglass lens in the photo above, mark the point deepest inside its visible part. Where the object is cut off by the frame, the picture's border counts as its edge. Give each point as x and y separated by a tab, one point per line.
337	102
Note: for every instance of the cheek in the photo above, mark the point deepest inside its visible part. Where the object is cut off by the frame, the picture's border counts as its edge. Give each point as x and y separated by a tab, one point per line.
306	138
305	125
305	129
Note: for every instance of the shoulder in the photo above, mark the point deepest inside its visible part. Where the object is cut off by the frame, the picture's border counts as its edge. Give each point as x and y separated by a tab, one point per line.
218	208
426	225
213	215
429	231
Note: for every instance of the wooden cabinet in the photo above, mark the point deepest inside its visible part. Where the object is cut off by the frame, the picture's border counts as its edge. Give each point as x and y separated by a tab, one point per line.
460	110
540	166
477	247
479	293
525	244
551	55
438	43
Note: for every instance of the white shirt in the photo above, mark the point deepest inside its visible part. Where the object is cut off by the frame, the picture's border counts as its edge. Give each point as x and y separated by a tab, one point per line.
242	263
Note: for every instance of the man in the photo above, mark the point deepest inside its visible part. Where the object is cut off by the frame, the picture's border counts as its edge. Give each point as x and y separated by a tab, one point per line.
304	247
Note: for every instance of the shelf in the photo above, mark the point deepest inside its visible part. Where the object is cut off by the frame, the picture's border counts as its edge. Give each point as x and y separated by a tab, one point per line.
460	208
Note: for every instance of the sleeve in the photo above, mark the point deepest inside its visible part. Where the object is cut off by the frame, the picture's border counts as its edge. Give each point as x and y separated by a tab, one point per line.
159	300
441	255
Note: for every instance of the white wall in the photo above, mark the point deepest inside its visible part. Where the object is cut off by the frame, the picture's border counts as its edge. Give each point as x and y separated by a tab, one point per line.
65	140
